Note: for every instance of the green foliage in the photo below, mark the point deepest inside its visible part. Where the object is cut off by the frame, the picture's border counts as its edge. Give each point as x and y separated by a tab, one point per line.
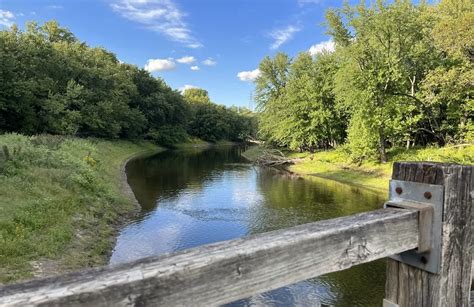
196	95
212	122
447	90
401	75
300	111
272	80
362	140
53	83
385	61
336	28
269	92
168	135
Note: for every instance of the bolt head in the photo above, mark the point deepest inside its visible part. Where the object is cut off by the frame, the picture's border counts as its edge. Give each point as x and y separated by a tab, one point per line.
399	190
427	195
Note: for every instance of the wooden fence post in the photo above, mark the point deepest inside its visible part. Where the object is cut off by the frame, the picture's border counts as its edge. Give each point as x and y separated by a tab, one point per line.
410	286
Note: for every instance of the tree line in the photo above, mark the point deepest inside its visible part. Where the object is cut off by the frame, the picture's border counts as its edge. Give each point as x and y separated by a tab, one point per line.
400	75
51	82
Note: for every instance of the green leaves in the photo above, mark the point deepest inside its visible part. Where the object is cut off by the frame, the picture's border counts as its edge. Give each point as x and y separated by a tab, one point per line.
196	95
401	75
52	83
272	80
383	66
212	122
300	110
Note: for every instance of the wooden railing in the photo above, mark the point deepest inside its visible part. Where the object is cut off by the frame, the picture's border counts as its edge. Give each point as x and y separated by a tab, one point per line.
227	271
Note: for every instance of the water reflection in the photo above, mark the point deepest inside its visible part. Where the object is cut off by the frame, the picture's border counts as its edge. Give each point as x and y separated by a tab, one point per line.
195	197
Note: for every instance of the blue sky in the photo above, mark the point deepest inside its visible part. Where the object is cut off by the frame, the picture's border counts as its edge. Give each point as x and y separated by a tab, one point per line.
211	44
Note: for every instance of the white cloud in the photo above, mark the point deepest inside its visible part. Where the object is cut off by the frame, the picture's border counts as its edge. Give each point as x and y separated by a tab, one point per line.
327	46
195	68
6	18
209	62
186	87
249	75
54	7
186	60
281	36
160	65
162	16
303	2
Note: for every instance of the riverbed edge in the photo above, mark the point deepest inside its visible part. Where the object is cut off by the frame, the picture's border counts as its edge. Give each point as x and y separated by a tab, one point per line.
126	191
72	260
335	165
254	153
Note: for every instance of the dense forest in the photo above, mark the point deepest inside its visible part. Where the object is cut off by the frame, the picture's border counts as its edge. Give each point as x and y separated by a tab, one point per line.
53	83
400	75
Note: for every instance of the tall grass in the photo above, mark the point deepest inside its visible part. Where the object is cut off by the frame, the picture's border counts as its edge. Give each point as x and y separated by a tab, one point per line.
59	200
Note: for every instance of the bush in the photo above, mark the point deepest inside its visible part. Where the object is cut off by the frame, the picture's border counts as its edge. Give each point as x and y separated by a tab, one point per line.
362	141
168	135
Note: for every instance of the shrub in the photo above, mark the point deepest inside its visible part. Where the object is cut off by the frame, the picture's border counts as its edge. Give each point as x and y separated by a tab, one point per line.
168	135
362	141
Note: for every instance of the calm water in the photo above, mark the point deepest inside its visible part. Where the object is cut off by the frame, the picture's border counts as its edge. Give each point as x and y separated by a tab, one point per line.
195	197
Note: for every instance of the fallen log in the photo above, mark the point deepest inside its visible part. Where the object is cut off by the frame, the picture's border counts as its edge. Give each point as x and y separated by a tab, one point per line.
273	157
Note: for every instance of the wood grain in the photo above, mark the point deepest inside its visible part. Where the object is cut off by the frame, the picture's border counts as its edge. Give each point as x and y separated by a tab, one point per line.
409	286
224	272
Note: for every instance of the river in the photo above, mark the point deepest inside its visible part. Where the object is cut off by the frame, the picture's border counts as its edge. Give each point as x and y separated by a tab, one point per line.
199	196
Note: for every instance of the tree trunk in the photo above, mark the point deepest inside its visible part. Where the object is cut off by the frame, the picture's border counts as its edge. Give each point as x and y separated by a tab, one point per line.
435	128
382	151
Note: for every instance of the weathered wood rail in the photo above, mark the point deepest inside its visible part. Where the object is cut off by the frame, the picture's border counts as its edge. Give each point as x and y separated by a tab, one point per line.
227	271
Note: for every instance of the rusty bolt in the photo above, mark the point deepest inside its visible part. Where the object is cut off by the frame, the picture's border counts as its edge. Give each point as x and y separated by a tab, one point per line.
427	195
399	190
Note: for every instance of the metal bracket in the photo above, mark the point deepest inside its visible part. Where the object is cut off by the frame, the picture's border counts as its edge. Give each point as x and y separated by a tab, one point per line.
427	199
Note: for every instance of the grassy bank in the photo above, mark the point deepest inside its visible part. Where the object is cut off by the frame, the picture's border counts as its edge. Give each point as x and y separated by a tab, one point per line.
61	201
336	165
194	142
